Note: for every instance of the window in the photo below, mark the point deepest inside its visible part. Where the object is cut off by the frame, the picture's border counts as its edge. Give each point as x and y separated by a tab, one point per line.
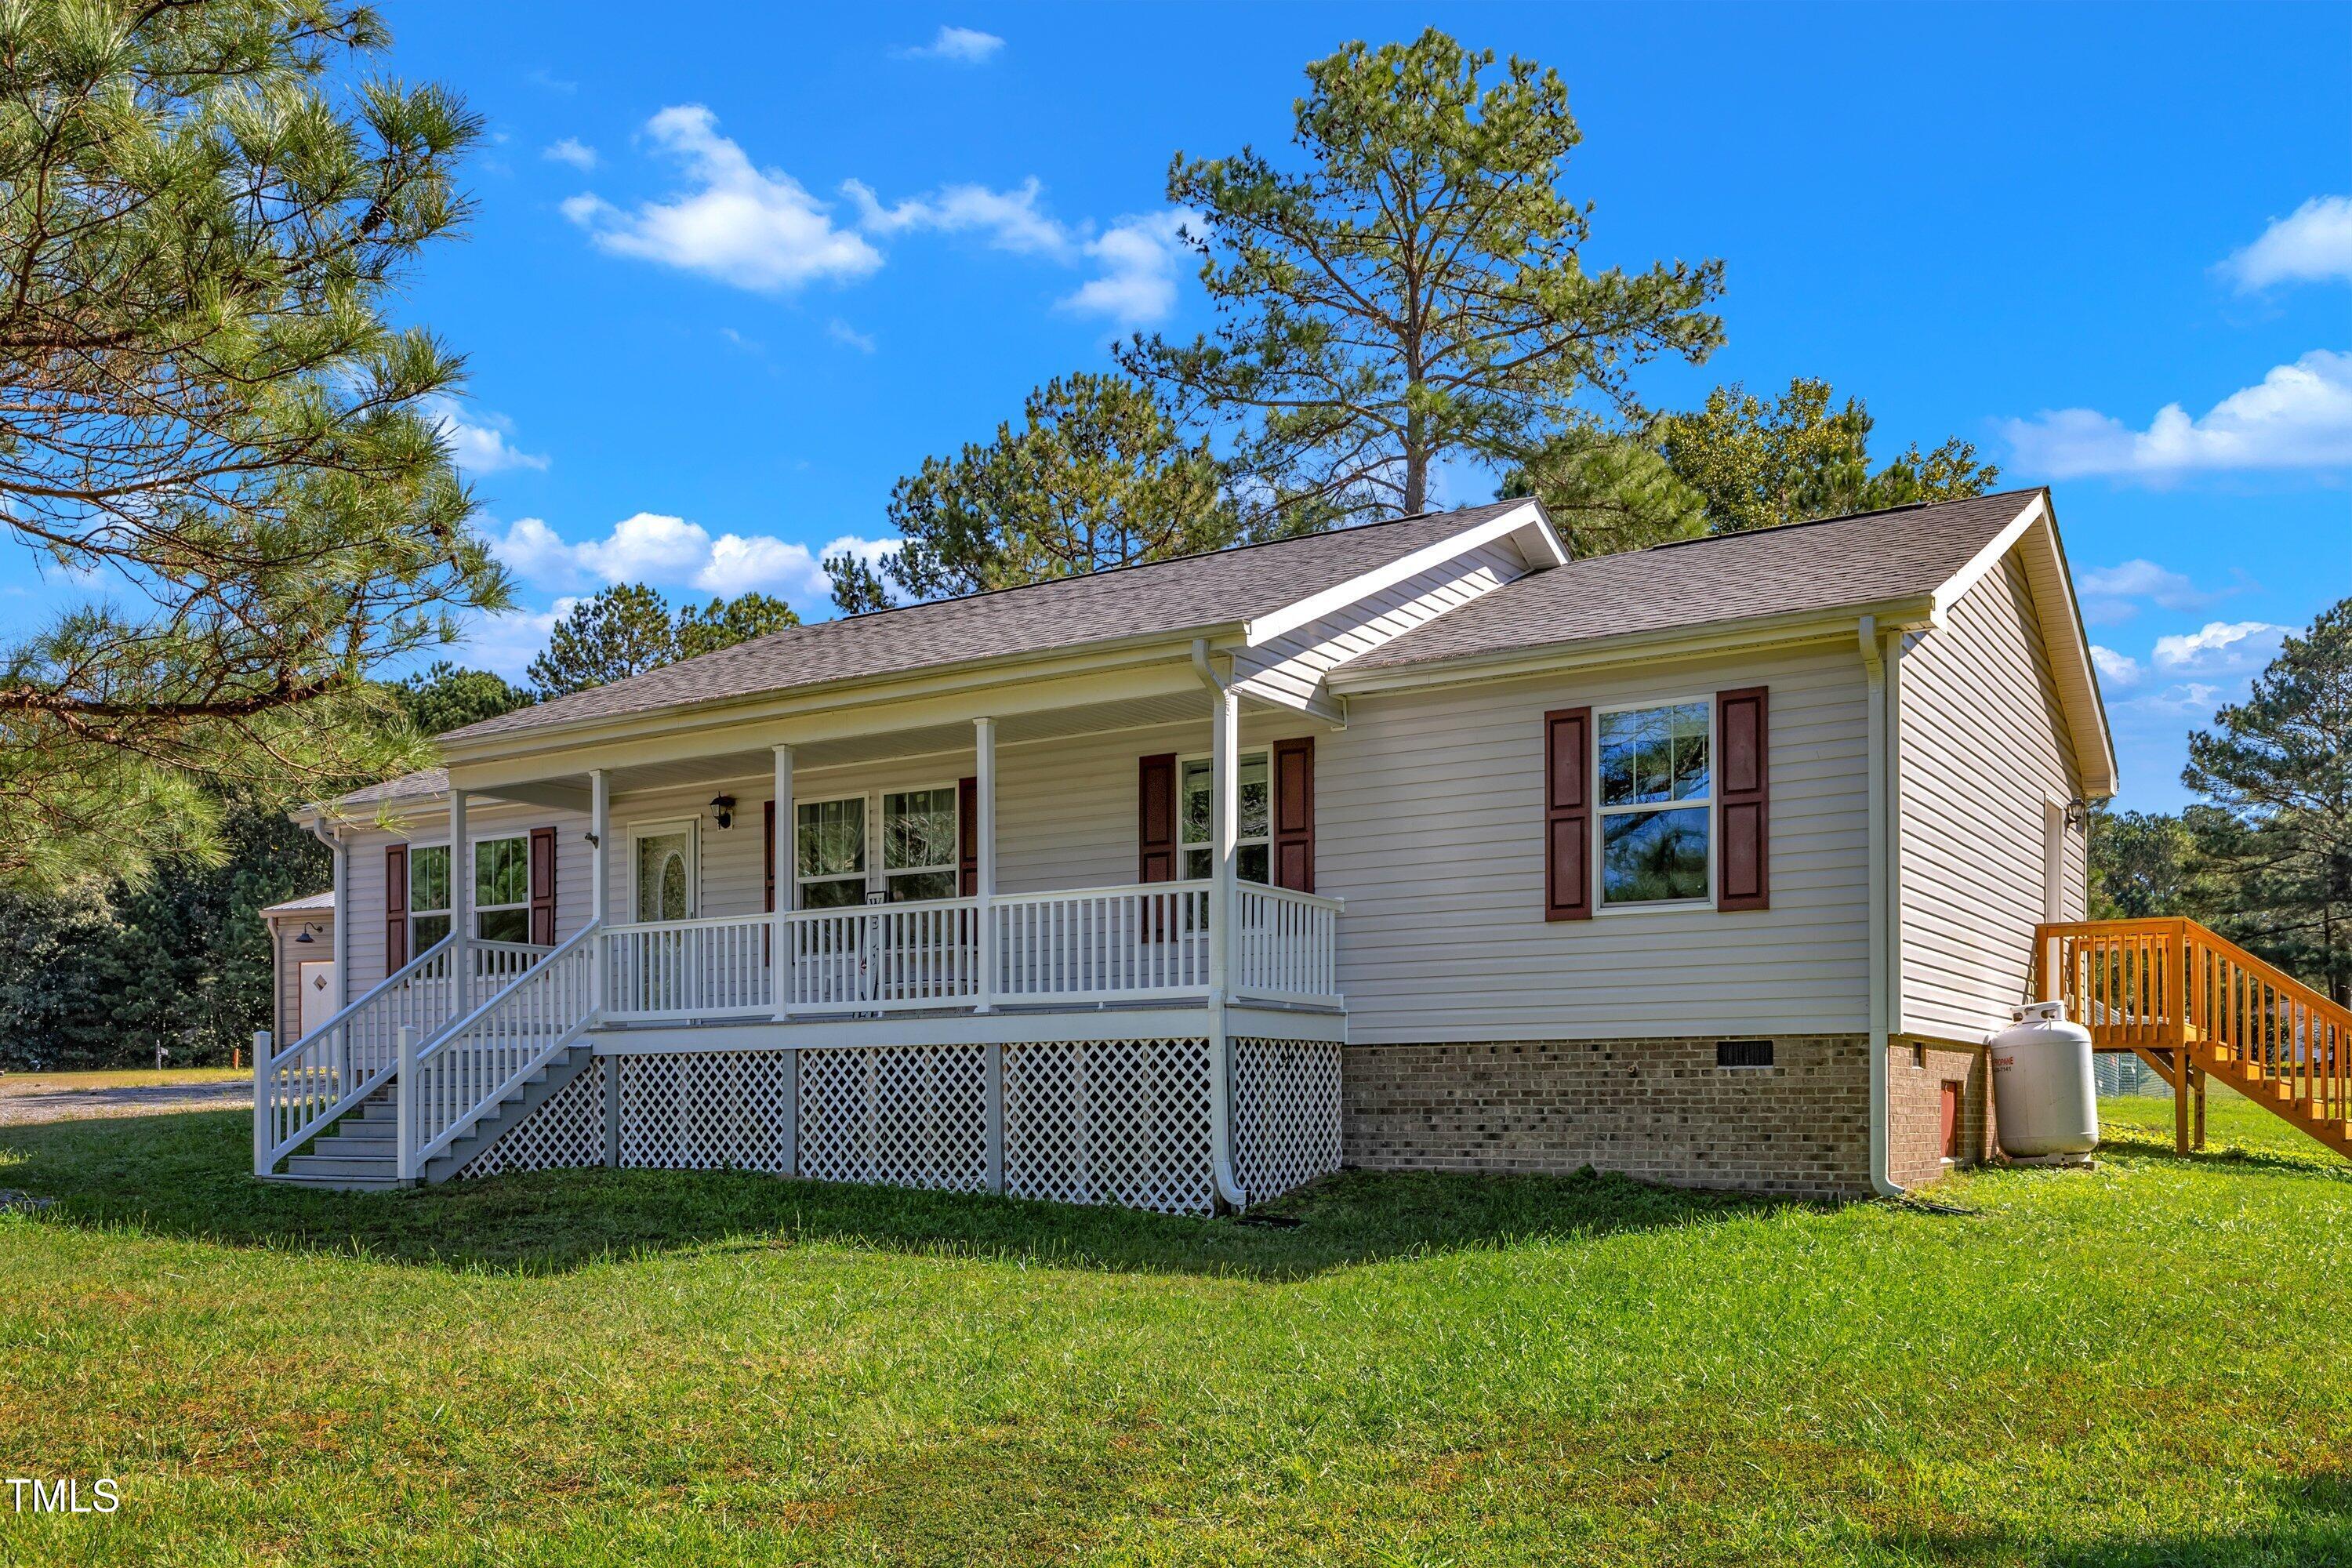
829	853
1252	854
501	892
1656	804
662	856
502	889
918	844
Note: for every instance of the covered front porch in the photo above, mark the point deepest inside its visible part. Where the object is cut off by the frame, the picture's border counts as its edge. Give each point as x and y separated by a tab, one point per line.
1040	949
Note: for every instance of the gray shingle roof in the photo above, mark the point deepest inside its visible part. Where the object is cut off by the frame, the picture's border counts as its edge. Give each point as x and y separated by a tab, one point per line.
314	904
1858	560
408	786
1162	598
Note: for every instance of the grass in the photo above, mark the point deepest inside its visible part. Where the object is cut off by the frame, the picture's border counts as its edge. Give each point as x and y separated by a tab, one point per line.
2127	1367
115	1078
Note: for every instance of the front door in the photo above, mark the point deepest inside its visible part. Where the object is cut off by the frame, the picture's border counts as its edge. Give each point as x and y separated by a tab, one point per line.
654	971
664	874
315	979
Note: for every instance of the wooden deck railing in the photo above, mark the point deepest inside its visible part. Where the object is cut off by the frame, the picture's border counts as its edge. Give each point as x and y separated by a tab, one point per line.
2173	986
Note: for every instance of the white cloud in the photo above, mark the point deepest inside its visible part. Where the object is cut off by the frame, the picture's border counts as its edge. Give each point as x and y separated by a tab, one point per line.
957	45
508	642
2311	245
1137	259
2110	594
1010	219
572	151
2220	648
2120	671
2299	416
673	552
753	229
479	441
841	332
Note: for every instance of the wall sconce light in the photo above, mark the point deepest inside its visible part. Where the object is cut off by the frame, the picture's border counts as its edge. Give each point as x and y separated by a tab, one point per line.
2078	813
592	840
306	935
723	809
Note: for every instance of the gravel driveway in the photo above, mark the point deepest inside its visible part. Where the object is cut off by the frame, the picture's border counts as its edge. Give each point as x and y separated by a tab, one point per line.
39	1104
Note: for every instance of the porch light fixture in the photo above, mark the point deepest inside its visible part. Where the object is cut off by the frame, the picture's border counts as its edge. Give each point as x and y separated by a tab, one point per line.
305	935
2078	811
722	809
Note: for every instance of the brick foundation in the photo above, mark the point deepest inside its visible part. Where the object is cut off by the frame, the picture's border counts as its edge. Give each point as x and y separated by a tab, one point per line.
1914	1111
1658	1110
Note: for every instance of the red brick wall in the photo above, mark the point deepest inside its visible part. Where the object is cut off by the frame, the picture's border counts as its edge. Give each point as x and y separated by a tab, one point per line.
1659	1110
1915	1110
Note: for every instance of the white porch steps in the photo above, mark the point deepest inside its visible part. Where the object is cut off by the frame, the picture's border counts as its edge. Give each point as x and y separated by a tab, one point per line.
357	1153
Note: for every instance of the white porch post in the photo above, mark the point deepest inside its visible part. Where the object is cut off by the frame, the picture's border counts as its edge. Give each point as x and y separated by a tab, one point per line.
983	733
984	745
600	879
461	908
1225	817
785	849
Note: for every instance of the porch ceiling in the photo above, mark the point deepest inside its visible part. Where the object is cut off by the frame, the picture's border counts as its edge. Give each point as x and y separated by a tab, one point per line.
923	741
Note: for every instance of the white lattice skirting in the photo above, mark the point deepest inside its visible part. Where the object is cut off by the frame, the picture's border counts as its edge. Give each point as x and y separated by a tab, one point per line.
1098	1122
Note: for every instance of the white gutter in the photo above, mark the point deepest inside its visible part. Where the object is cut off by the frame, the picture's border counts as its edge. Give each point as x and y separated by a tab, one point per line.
332	837
1881	890
1221	924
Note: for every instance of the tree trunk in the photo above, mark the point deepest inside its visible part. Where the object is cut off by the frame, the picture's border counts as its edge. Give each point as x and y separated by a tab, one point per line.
1416	464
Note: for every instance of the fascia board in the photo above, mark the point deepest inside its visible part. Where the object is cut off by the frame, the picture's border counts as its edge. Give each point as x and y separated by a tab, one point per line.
1527	519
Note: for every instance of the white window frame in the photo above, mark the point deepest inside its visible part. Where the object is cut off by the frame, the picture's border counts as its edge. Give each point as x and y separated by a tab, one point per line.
1600	904
877	875
876	883
692	826
473	842
1241	755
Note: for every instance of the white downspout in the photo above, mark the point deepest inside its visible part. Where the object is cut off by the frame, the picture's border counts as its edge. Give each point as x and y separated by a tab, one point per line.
340	942
1226	768
1882	896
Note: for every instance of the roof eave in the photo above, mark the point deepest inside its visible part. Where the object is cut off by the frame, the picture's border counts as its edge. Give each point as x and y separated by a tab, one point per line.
1748	633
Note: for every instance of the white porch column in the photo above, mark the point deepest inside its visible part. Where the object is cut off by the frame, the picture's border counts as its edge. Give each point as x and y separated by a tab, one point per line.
461	907
785	849
1225	817
984	745
600	876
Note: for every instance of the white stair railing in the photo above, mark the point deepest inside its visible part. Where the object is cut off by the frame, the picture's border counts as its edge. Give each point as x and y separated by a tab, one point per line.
326	1073
483	1058
330	1070
1287	947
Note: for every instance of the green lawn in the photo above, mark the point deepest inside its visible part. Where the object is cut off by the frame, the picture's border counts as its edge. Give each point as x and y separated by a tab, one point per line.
2133	1366
115	1078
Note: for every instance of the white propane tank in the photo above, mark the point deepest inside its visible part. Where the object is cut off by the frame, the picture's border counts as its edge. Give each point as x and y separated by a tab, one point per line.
2045	1100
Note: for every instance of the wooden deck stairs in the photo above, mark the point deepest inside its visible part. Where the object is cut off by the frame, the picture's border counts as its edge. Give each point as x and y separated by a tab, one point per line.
2194	1005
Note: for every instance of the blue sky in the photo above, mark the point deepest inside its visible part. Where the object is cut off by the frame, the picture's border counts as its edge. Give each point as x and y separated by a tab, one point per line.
736	269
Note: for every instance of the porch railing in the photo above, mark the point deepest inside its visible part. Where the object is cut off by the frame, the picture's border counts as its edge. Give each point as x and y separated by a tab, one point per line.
322	1076
1141	943
705	968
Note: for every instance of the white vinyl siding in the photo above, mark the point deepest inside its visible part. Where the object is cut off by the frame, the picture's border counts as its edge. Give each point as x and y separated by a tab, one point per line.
1429	822
1984	749
484	820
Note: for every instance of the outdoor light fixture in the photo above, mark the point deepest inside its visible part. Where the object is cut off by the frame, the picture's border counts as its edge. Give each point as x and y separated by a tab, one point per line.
2078	811
305	936
723	809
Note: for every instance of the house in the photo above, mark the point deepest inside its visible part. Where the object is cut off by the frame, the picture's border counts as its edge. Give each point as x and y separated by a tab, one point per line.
1413	845
301	950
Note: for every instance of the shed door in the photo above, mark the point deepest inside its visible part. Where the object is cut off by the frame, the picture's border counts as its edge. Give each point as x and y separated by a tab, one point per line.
316	979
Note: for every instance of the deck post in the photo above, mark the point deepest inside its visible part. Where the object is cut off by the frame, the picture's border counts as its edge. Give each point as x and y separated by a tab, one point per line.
403	1107
983	733
461	909
611	1066
261	1118
600	880
784	851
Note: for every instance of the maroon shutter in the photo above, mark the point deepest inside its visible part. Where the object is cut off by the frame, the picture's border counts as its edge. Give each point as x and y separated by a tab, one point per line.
1567	815
1294	814
968	838
542	886
768	842
395	907
1743	777
1156	818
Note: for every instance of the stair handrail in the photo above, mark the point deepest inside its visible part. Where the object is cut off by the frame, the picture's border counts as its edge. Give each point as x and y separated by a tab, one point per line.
470	1068
301	1090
